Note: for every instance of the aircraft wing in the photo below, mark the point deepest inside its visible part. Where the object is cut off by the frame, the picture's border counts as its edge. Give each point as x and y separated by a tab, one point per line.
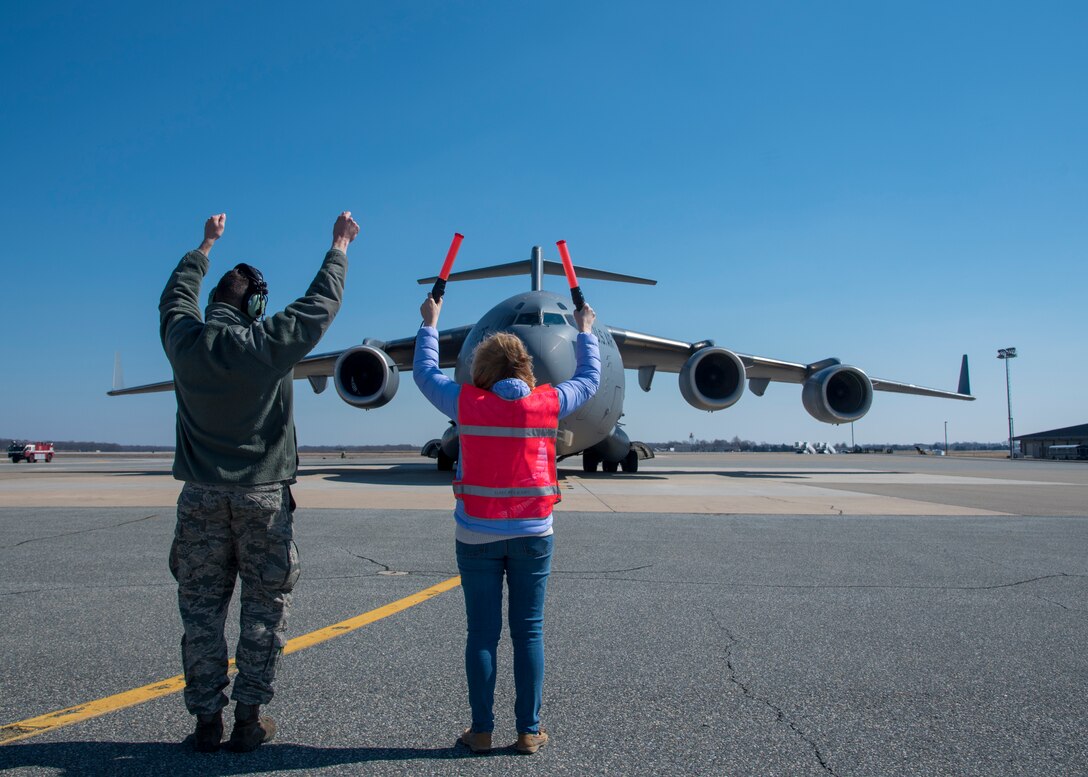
323	365
649	353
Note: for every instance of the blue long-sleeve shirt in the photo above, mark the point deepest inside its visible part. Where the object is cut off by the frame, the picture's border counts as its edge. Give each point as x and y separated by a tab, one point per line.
443	392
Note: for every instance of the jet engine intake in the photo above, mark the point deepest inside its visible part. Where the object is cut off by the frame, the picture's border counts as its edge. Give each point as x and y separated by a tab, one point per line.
712	379
366	377
838	394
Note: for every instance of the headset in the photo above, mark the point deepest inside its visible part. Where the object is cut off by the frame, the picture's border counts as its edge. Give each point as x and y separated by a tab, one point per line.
256	296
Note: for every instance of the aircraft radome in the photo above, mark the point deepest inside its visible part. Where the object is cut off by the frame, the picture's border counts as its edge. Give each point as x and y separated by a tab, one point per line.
711	377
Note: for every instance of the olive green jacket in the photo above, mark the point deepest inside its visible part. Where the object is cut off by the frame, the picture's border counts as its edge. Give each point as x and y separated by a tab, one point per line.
233	376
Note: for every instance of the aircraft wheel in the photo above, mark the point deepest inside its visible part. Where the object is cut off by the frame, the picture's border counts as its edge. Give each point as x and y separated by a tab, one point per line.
589	462
445	463
610	466
630	462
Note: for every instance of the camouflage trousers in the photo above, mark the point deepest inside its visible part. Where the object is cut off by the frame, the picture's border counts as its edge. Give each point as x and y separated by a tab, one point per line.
222	533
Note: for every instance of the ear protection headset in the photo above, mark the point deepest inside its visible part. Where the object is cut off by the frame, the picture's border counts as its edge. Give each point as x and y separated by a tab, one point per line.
257	294
256	297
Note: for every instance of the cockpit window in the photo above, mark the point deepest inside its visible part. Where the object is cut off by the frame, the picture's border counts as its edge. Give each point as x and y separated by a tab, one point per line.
570	320
553	319
527	319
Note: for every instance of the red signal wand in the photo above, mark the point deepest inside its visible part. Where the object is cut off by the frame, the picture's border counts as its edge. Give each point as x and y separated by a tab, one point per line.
440	285
568	267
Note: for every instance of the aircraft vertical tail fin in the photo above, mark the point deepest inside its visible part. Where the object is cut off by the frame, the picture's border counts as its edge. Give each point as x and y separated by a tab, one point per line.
965	378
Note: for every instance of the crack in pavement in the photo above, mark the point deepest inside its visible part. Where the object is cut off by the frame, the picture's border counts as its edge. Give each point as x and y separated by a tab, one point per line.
384	567
597	571
414	572
1051	601
780	715
385	571
865	586
85	587
389	569
80	531
1059	604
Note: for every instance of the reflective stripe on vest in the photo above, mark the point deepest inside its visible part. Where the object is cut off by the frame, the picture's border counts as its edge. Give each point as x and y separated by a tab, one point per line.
507	454
461	488
506	431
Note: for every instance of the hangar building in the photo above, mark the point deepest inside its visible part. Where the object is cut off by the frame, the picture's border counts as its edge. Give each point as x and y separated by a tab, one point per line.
1037	446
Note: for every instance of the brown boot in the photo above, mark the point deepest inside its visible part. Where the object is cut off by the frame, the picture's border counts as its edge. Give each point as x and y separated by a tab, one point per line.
209	732
529	743
477	742
251	729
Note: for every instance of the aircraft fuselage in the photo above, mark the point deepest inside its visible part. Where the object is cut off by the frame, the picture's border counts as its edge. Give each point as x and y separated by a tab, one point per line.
545	323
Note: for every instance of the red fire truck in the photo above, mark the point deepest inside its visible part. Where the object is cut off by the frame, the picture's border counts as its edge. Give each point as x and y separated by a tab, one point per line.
30	451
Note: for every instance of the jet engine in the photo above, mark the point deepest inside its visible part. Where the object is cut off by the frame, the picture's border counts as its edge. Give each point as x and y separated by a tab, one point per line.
366	377
837	394
712	378
613	452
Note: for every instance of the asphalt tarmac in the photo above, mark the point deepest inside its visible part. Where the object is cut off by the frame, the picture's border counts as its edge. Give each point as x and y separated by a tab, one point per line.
726	614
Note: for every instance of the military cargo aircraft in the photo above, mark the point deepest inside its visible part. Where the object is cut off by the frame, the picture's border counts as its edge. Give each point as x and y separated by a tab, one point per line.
711	377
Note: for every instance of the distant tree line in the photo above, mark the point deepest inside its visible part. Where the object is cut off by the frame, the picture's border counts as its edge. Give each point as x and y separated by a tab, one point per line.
75	446
390	448
739	445
736	444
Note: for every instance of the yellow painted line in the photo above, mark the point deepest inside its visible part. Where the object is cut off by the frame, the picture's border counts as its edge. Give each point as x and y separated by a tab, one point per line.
351	624
66	717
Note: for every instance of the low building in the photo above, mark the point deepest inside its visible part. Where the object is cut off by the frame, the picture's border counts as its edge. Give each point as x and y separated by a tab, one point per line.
1037	445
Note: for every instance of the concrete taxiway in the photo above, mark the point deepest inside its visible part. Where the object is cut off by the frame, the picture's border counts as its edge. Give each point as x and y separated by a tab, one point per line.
725	614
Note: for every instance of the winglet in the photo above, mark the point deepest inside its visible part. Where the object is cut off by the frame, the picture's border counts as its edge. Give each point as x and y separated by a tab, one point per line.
118	375
965	378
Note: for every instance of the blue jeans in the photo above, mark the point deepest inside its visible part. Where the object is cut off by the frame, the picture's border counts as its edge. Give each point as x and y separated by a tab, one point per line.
526	561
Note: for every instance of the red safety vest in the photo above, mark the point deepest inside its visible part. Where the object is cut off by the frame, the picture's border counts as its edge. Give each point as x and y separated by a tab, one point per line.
507	453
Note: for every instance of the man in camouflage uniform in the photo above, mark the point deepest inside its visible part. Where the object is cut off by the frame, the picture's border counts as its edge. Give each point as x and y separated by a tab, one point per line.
236	452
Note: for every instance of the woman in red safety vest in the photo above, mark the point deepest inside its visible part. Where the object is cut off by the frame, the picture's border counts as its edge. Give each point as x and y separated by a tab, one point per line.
505	487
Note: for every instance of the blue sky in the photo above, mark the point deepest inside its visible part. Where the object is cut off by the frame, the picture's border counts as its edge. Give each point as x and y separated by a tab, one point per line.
893	184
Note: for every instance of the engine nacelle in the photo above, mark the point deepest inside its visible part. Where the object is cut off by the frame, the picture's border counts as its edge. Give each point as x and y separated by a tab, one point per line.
712	379
366	377
614	447
450	444
838	394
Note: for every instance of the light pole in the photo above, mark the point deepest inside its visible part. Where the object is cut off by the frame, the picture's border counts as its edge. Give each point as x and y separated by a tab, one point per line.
946	438
1007	354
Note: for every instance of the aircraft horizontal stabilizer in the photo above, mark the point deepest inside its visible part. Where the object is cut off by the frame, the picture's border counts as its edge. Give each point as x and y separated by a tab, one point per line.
151	388
525	267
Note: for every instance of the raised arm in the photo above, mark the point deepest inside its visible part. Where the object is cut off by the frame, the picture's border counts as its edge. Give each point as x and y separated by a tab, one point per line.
284	339
586	380
179	305
436	386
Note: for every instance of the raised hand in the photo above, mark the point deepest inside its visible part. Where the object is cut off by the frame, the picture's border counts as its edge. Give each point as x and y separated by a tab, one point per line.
213	230
344	231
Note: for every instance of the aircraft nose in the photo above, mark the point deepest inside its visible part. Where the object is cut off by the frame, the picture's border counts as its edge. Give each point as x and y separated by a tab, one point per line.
553	353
